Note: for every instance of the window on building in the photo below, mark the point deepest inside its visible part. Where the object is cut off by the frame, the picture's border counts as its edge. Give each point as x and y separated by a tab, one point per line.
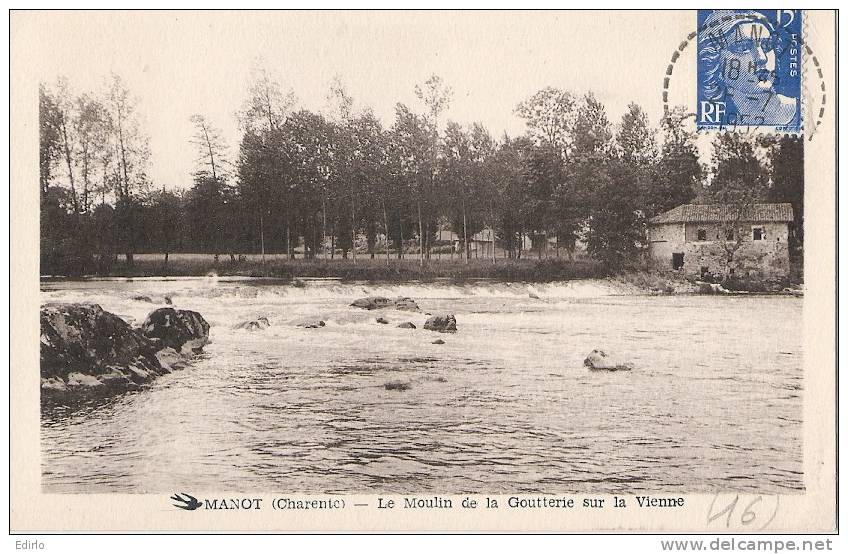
758	233
677	260
702	234
728	235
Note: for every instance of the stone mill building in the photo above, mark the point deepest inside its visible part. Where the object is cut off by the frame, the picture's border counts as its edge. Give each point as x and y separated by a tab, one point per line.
703	240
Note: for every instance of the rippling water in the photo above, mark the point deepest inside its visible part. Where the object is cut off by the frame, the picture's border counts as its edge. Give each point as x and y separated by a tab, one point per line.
504	406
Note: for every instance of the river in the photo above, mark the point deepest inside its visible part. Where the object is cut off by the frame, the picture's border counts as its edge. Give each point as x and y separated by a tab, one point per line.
504	406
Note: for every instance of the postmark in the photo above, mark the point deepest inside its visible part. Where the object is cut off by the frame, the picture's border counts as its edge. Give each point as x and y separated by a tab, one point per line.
749	69
810	90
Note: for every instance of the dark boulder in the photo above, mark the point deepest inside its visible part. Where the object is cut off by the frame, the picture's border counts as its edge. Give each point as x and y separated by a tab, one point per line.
397	385
84	346
600	361
438	341
381	302
383	320
407	325
406	304
183	330
444	323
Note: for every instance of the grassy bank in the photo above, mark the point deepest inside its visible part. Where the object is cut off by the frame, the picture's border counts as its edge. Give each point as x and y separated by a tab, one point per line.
364	269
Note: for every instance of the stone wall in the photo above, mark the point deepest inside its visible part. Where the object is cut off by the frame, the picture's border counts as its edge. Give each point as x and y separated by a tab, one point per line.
664	241
762	259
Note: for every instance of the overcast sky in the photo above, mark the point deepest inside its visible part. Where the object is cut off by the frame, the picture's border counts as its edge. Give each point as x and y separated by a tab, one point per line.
180	63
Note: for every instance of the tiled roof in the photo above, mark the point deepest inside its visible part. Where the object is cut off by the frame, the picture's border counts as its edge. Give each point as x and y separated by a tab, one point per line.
717	213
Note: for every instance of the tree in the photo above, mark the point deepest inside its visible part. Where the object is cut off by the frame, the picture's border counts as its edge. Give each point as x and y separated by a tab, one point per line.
413	141
543	175
132	154
549	115
635	139
616	229
308	147
679	171
92	129
210	199
211	148
48	135
436	96
590	183
267	105
254	182
345	151
739	181
262	153
738	174
369	172
786	165
165	213
456	176
507	173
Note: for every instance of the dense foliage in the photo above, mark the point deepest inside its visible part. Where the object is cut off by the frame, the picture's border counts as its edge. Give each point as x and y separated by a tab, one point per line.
341	184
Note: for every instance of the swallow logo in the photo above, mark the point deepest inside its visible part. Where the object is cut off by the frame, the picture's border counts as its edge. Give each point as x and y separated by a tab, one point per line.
186	501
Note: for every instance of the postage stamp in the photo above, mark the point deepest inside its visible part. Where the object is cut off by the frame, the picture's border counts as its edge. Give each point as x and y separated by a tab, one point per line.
749	69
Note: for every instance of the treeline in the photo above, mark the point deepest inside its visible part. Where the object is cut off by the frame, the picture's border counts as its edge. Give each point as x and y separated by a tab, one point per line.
339	181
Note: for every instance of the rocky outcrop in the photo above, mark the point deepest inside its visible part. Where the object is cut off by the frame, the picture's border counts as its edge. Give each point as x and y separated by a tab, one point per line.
443	323
85	348
599	360
406	325
381	302
258	324
183	330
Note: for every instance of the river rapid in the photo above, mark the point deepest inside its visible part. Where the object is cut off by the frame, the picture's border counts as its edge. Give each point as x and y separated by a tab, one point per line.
504	406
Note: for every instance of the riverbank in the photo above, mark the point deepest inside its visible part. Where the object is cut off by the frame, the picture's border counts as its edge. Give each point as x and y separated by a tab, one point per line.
410	270
363	269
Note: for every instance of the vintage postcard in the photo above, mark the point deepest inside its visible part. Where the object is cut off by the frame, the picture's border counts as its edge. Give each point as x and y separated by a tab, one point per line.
423	271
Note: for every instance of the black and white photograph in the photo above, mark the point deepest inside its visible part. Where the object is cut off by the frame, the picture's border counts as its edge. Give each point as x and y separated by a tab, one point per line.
430	256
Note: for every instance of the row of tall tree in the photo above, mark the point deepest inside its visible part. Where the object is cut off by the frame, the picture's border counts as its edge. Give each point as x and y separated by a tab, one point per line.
341	182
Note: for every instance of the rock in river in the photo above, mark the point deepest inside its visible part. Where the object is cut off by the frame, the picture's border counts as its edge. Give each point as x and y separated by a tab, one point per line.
165	299
397	385
406	325
85	348
444	323
258	324
381	302
312	324
710	288
600	360
183	330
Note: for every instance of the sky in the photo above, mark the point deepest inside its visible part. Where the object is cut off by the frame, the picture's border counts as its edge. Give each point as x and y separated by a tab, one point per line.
181	63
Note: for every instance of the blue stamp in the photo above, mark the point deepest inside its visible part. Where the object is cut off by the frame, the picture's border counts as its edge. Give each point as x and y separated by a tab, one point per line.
749	69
